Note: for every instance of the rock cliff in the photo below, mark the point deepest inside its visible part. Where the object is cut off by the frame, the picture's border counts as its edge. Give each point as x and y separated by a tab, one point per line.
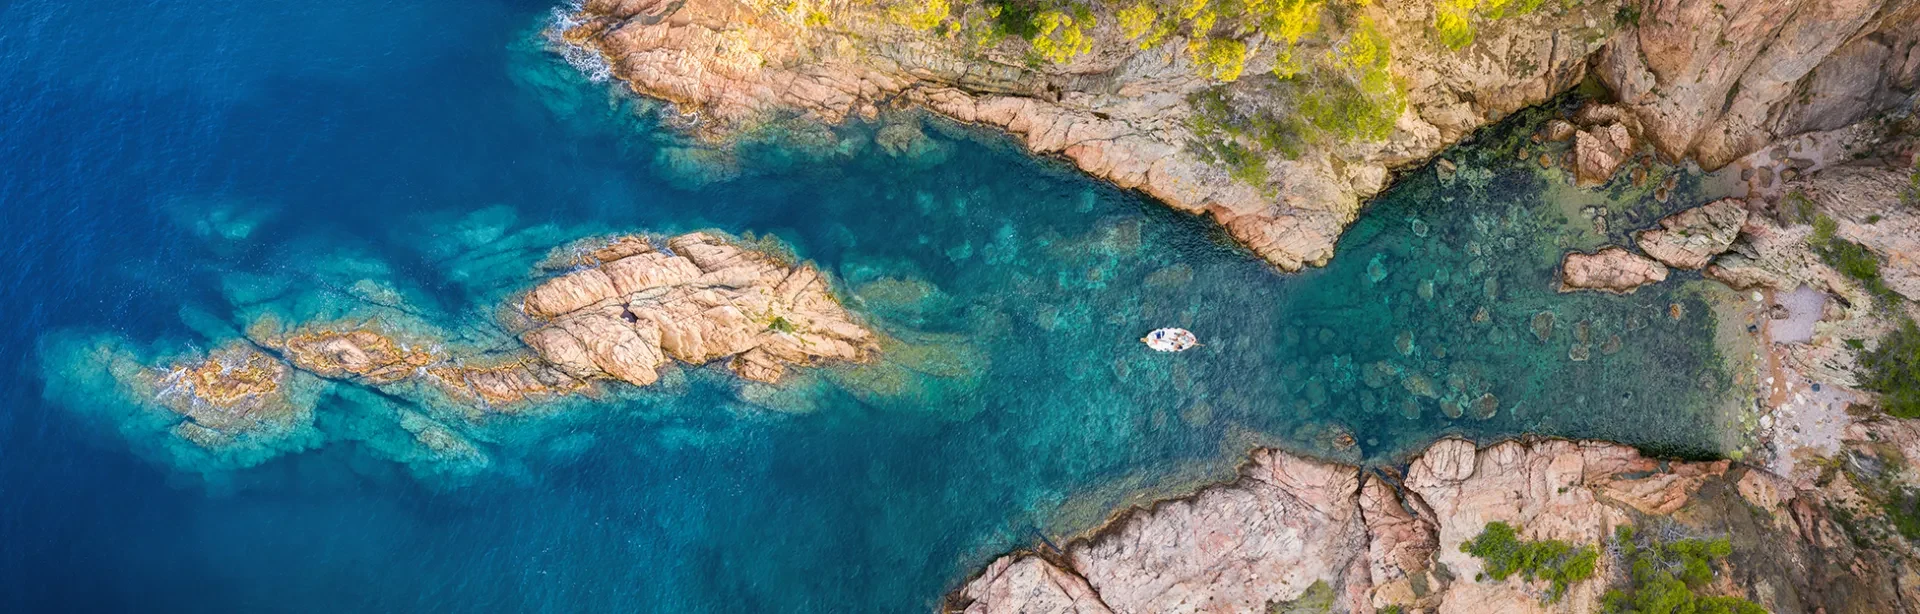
1353	540
1278	132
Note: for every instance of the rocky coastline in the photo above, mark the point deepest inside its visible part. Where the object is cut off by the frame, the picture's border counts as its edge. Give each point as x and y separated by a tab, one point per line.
1788	95
1710	82
1297	534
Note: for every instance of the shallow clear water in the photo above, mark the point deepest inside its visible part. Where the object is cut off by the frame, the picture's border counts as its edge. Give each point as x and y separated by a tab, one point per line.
170	169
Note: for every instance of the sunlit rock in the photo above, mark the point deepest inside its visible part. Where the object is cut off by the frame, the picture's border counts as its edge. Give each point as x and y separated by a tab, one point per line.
638	307
1692	238
1612	269
203	412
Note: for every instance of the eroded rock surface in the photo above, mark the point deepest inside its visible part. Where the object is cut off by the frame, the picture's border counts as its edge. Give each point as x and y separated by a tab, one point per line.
1030	585
1709	80
702	299
1611	269
1599	152
1716	80
1289	524
618	309
233	393
1692	238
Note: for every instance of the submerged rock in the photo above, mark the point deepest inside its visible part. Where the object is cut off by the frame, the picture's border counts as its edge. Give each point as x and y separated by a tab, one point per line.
1542	326
234	392
1612	269
1692	238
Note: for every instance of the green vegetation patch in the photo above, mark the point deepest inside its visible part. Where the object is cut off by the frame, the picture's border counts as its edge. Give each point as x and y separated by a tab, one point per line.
1559	563
1893	370
781	325
1317	599
1453	19
1663	577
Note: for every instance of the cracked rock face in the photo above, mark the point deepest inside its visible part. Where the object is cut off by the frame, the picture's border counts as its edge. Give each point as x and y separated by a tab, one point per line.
1707	80
1612	269
703	299
1288	523
1692	238
1029	585
1377	541
1599	152
1716	80
1119	113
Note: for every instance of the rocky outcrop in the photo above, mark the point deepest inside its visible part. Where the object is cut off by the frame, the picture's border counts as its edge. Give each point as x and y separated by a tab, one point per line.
1120	112
1692	238
234	393
1030	585
702	300
1611	269
1599	152
1713	80
615	309
1290	524
1878	208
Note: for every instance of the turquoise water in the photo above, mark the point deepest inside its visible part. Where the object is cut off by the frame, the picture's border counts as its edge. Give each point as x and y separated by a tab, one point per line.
170	176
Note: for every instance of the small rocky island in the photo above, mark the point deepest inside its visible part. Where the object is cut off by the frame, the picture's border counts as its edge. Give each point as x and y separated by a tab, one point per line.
609	310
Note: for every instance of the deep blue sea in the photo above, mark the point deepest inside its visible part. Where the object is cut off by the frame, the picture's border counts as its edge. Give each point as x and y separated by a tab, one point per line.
163	162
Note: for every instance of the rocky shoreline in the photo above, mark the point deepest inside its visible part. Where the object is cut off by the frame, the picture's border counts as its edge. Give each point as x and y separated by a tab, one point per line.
1815	514
1292	530
1709	83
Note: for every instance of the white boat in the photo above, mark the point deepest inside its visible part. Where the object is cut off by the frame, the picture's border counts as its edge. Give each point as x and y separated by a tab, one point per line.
1171	340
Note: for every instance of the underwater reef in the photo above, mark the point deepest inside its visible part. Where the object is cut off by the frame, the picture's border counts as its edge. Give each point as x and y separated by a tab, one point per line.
606	316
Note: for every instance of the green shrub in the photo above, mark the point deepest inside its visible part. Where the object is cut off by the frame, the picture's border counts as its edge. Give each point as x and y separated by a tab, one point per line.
1453	22
1141	22
1360	100
920	15
1801	205
1893	370
1911	195
1453	19
780	325
1060	36
1557	562
1242	140
1823	229
1853	260
1903	511
1221	59
1662	577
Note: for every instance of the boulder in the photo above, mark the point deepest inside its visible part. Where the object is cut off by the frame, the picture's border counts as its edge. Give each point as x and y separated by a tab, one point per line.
1599	152
708	299
1285	525
1612	269
1028	585
1692	238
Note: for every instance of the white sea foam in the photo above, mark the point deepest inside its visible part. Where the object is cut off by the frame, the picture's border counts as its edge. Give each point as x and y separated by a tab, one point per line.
581	58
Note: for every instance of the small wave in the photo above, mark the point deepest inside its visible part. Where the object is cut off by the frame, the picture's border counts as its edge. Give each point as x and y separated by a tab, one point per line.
589	62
